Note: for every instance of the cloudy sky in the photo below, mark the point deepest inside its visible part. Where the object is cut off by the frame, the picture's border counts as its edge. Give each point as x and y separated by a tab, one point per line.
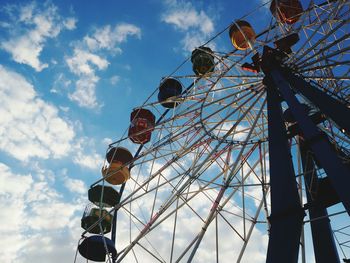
70	74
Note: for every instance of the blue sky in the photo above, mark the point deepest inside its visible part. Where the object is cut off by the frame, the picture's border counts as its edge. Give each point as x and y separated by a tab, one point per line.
70	74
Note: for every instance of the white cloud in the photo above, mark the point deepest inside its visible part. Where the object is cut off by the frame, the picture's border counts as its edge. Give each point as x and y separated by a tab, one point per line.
13	188
75	185
124	30
64	109
60	83
107	141
32	26
92	161
83	62
196	25
192	40
84	93
86	156
108	38
36	222
185	17
25	51
29	126
114	79
70	23
87	59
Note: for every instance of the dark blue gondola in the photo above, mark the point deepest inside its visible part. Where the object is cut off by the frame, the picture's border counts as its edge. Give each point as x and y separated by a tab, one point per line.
92	248
169	90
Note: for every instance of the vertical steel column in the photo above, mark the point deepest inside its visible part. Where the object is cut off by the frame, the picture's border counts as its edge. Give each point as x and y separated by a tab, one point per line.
334	109
337	171
324	245
286	213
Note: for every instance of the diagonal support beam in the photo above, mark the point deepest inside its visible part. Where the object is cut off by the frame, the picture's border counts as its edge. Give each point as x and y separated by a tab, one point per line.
337	171
333	108
286	212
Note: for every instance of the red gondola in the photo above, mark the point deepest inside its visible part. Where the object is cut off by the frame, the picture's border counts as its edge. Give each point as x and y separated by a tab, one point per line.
286	11
141	126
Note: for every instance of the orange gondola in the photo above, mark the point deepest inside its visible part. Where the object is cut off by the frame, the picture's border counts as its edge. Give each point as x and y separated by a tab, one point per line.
242	35
117	172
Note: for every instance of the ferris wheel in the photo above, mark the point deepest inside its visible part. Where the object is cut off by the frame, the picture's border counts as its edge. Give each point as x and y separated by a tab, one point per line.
246	158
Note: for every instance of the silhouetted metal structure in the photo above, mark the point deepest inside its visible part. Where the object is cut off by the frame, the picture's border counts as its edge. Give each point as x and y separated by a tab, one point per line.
224	111
286	213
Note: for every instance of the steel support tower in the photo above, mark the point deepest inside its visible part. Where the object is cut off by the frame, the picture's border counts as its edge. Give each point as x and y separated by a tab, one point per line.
282	84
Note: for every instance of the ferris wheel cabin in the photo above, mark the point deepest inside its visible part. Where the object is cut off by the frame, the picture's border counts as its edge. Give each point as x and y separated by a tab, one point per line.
286	11
169	89
117	172
202	61
93	248
109	195
242	35
92	215
141	126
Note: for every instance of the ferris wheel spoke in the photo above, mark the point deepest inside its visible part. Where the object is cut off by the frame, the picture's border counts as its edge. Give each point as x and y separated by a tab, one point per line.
158	214
146	230
304	63
220	208
169	139
302	51
158	256
259	128
230	87
149	252
189	109
181	132
327	78
163	208
229	132
325	66
250	231
213	210
243	77
340	136
236	188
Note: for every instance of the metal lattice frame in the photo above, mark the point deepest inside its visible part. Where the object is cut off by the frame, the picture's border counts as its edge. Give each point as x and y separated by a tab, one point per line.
202	185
